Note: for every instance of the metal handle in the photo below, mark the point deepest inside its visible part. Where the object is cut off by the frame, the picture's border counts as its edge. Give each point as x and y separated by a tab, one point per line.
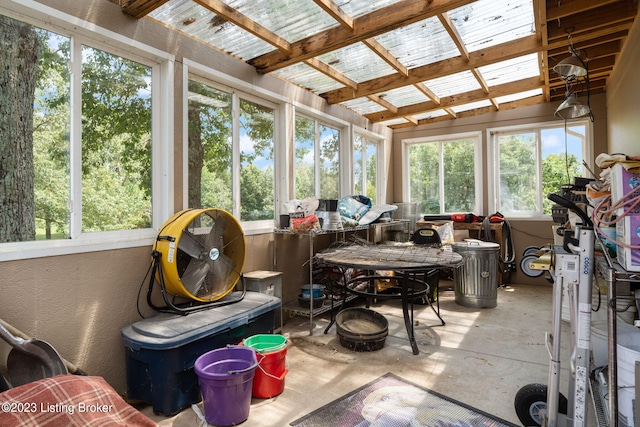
572	206
14	341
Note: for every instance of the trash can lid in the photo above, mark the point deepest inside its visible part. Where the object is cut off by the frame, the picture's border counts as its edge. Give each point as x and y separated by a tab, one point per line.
475	245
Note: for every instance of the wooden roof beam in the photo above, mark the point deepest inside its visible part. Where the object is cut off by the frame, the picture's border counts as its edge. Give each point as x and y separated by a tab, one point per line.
540	22
140	8
336	13
380	21
445	20
442	68
381	101
383	53
459	99
428	92
329	71
232	15
534	100
604	17
608	44
558	10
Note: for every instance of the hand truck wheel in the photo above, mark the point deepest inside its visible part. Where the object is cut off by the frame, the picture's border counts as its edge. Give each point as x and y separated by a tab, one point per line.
531	400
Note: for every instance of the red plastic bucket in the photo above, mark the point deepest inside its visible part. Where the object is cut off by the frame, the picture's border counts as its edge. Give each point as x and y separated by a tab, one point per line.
269	377
271	350
226	379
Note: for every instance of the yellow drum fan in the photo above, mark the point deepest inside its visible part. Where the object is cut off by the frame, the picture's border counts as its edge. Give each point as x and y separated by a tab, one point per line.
199	255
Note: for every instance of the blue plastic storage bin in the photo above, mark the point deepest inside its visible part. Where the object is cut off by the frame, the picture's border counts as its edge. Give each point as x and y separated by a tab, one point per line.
161	350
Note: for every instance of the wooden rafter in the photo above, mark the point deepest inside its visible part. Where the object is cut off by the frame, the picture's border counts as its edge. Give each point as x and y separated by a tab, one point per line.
331	72
561	9
338	14
386	55
380	21
477	59
599	29
456	100
534	100
540	16
428	92
445	20
232	15
609	16
139	8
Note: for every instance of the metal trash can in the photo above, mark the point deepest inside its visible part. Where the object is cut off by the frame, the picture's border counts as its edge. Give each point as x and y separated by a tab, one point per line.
476	280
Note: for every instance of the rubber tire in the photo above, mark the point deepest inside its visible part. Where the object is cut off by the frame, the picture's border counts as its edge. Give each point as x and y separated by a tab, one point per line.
530	250
530	399
524	266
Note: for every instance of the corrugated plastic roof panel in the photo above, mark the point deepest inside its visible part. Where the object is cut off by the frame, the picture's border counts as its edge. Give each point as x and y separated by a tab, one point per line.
357	62
290	19
401	43
356	8
430	114
487	23
403	96
201	23
307	77
518	96
472	105
398	121
453	84
512	70
363	105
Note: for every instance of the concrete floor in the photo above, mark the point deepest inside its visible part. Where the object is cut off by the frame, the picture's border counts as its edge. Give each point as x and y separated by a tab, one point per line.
481	357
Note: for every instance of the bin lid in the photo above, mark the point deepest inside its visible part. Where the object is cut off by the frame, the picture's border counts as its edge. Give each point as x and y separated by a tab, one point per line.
166	330
262	274
475	245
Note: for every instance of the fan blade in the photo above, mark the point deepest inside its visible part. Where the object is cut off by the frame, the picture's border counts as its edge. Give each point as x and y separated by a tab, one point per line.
214	238
194	275
190	245
217	277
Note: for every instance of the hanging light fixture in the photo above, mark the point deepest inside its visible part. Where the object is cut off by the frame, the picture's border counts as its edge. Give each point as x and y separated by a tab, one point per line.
571	66
572	108
573	70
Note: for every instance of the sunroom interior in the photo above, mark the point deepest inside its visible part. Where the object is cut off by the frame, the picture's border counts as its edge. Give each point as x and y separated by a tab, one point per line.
151	107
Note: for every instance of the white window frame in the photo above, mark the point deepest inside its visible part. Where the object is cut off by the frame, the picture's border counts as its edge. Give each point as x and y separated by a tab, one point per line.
492	167
381	178
344	130
162	64
478	170
239	90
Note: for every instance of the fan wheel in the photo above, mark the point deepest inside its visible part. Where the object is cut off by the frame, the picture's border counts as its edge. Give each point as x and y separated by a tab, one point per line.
202	253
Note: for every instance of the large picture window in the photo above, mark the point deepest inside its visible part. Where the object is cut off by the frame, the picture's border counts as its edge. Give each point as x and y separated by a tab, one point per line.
227	145
116	142
317	148
442	173
210	147
78	119
366	153
530	162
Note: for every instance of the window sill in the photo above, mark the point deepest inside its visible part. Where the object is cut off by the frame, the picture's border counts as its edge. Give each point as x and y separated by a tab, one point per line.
88	242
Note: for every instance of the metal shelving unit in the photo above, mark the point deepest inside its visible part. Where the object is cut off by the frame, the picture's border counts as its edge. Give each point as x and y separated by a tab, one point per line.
612	273
340	235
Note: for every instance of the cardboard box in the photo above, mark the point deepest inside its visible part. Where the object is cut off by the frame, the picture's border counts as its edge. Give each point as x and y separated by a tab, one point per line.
623	182
265	282
161	350
268	283
628	232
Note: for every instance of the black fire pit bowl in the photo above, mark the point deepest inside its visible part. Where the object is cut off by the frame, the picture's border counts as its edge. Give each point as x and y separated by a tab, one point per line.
361	329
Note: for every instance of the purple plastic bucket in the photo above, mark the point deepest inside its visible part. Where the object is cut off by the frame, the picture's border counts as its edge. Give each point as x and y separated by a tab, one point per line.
226	376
